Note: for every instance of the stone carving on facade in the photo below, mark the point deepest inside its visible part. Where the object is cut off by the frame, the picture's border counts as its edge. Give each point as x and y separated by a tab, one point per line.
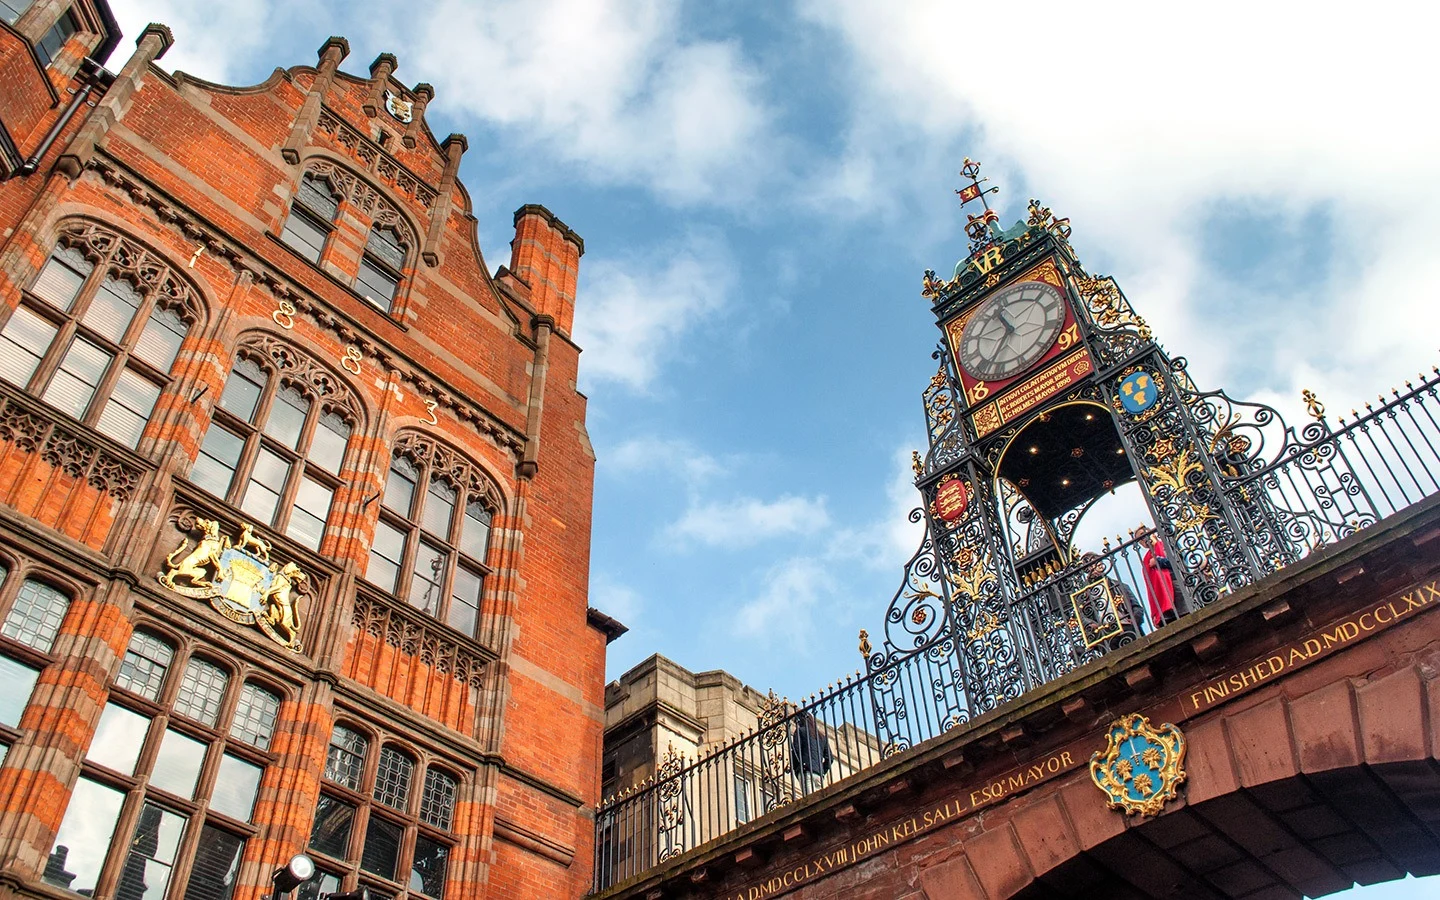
238	577
31	427
301	372
221	247
441	460
129	261
376	160
413	633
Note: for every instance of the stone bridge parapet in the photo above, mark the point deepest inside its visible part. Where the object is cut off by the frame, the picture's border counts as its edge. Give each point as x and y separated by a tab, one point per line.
1311	718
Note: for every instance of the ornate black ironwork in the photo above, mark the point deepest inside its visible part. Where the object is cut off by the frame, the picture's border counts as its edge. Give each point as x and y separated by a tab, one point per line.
997	600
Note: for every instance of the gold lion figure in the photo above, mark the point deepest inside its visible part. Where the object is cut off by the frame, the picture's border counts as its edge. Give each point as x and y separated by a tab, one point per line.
195	566
279	607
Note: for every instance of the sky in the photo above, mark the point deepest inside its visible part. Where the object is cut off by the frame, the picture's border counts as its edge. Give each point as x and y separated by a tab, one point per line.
761	184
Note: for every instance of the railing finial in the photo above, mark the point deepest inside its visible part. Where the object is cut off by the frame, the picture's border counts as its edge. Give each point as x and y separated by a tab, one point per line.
865	647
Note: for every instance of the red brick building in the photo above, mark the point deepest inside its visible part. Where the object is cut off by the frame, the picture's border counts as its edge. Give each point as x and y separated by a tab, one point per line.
294	495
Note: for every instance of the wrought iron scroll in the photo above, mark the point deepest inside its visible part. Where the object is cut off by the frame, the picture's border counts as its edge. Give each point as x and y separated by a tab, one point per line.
777	782
945	426
670	823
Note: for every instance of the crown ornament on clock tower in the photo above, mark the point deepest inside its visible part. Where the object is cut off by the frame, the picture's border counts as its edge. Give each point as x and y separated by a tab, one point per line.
1051	392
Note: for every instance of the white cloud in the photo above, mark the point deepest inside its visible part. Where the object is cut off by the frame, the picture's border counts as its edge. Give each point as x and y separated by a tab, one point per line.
650	454
785	607
632	313
213	41
611	85
1141	120
616	600
746	521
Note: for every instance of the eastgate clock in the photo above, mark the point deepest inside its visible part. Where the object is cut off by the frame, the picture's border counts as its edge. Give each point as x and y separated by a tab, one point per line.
1011	331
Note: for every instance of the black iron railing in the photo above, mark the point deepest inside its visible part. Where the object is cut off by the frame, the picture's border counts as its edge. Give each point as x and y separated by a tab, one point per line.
1291	492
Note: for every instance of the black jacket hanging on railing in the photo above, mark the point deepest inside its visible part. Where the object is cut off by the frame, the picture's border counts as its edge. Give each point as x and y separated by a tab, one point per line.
809	751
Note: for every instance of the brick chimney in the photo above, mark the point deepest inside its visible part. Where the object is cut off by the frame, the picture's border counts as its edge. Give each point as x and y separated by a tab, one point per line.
545	254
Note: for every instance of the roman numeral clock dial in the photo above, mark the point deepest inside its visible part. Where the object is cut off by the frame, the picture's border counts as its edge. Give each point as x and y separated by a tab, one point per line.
1011	331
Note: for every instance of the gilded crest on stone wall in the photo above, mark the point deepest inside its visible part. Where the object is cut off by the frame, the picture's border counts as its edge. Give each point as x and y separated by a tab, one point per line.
403	110
1142	768
239	578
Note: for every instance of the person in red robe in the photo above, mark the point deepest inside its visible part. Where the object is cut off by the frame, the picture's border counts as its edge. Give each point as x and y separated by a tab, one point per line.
1159	579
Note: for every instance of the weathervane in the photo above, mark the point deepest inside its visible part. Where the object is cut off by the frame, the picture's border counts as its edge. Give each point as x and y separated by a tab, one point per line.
979	227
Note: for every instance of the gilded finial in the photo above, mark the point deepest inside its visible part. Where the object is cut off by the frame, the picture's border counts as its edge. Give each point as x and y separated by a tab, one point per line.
865	647
915	463
931	285
1143	329
1313	406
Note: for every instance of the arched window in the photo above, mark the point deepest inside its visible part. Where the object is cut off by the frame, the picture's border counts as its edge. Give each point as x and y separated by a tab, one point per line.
185	744
433	536
277	442
374	828
26	640
97	334
380	267
312	216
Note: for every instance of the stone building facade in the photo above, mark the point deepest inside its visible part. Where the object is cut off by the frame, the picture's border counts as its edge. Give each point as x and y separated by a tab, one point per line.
295	495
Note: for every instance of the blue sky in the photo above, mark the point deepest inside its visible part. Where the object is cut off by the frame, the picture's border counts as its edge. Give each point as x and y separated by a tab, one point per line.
760	186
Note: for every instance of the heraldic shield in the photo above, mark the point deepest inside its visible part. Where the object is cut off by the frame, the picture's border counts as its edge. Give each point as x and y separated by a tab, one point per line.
1143	767
239	579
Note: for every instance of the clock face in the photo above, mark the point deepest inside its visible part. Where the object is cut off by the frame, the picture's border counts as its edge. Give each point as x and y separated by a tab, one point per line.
1011	331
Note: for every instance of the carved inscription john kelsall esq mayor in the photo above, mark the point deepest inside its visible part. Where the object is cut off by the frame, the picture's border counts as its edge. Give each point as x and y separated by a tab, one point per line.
898	832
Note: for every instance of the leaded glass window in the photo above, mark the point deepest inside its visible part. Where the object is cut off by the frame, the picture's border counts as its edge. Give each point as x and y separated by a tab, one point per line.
189	773
431	542
345	759
202	691
437	803
254	721
146	661
401	841
35	618
392	780
275	447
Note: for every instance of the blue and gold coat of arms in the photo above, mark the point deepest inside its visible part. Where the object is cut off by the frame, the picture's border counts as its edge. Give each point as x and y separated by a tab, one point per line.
1138	392
1143	767
239	579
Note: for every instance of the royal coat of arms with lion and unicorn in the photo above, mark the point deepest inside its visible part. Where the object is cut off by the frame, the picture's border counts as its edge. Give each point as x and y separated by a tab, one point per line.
239	579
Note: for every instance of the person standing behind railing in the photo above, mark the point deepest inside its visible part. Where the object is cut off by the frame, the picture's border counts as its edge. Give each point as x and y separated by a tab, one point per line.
1159	578
809	750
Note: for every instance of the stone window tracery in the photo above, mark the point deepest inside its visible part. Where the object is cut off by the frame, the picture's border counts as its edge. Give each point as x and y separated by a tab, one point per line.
432	540
170	777
278	440
97	334
390	241
374	828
